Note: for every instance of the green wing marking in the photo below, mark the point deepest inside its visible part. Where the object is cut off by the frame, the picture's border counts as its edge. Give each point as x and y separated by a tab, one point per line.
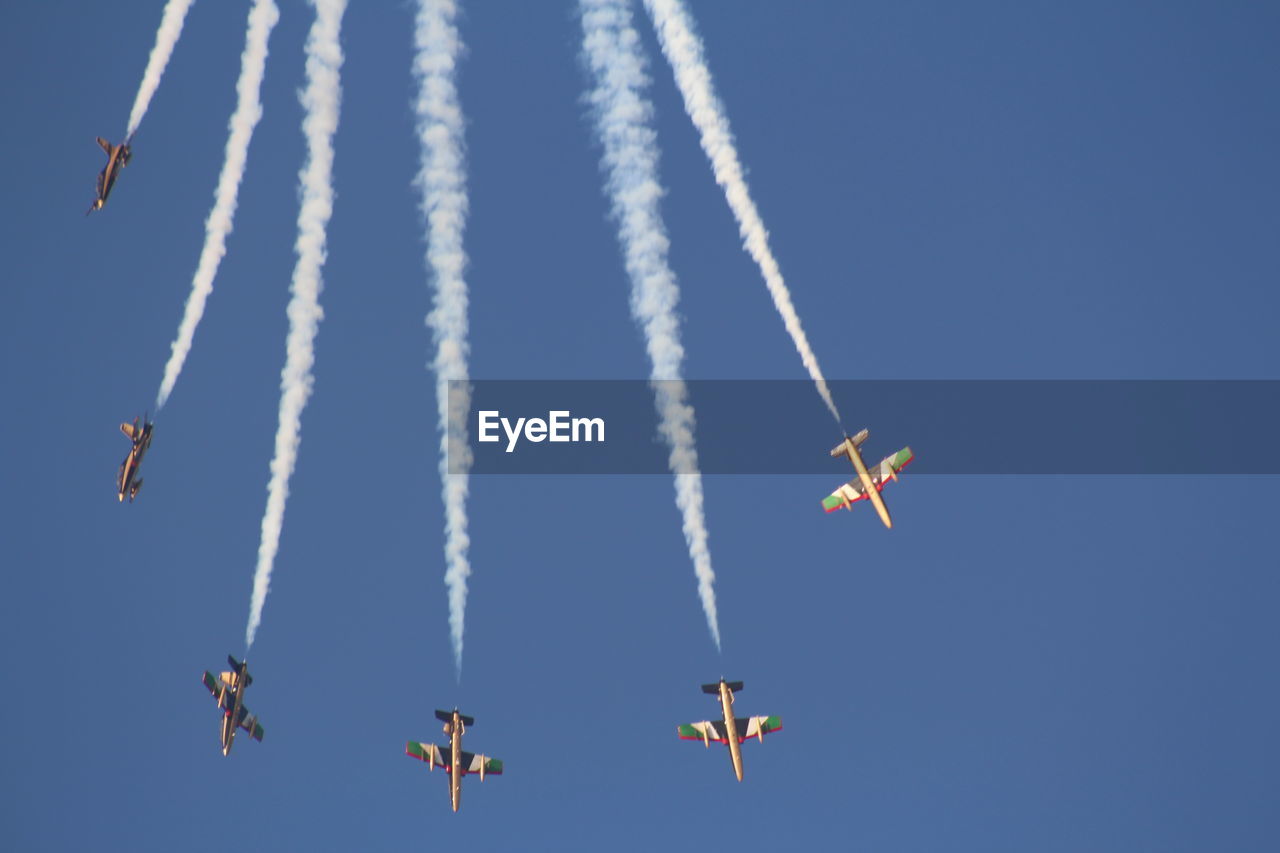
430	753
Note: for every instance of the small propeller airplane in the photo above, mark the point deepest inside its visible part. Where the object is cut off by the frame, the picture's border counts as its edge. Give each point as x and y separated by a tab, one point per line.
733	731
869	483
141	438
229	689
456	760
117	158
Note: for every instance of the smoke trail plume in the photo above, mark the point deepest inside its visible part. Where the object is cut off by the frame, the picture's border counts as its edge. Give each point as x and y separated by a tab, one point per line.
253	64
684	52
442	179
321	100
175	13
622	113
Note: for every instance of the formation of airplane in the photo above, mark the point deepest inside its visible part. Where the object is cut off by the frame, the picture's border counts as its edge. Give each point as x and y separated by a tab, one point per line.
457	761
117	158
228	688
729	730
869	483
127	480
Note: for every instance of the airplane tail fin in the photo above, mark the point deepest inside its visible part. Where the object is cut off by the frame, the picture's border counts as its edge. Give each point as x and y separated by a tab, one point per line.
842	450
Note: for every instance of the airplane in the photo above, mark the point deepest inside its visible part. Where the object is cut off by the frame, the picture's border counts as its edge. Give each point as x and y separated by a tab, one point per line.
141	439
457	761
869	483
117	157
228	689
733	731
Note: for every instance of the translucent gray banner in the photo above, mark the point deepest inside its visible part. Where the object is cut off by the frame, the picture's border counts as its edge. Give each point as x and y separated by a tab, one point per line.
954	427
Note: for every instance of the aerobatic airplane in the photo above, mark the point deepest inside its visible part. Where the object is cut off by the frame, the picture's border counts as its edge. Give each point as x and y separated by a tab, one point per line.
117	158
141	438
869	482
457	761
228	689
731	730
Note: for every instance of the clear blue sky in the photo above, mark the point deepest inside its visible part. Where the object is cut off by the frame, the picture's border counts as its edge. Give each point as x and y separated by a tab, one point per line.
1030	190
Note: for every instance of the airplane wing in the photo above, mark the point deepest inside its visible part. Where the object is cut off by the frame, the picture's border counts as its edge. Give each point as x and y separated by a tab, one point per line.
428	752
212	684
707	730
757	727
472	763
854	491
250	724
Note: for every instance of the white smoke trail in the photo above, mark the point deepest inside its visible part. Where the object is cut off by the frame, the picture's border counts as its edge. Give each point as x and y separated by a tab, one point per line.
253	64
684	52
175	13
622	113
321	100
442	179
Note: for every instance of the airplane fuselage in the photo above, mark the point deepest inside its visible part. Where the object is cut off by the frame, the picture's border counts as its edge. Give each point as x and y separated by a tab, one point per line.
128	471
455	729
133	461
117	157
231	717
731	729
873	494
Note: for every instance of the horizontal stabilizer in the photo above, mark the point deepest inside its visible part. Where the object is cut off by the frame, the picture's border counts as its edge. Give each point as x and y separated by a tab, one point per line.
842	449
714	689
467	721
105	145
127	429
240	669
445	716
